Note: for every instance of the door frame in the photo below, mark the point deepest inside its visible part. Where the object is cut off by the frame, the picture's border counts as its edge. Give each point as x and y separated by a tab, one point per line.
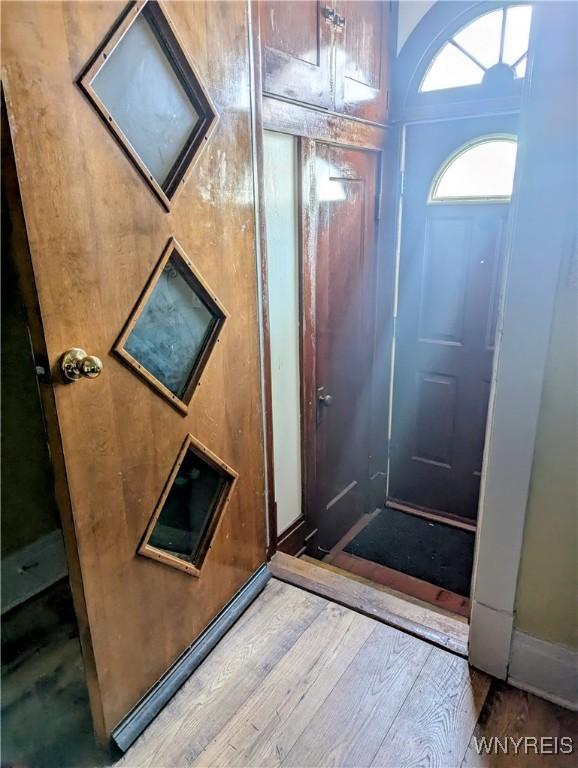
539	223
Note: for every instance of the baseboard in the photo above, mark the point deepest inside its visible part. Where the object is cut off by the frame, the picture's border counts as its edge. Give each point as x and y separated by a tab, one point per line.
292	540
32	569
490	639
544	668
129	729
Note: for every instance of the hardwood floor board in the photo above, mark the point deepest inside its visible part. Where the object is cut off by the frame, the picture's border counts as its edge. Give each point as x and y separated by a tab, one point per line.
369	601
350	725
435	723
301	682
272	720
229	675
511	713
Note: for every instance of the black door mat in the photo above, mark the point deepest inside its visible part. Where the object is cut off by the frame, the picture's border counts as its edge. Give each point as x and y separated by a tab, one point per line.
434	552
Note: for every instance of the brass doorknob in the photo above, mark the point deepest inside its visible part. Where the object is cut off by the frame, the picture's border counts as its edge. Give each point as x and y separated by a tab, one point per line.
76	364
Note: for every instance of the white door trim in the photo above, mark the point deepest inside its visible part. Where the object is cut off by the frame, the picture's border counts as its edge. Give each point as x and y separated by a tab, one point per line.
538	236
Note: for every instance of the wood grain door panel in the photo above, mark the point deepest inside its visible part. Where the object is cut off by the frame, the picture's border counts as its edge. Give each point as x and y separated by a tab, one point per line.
95	233
339	282
296	43
363	59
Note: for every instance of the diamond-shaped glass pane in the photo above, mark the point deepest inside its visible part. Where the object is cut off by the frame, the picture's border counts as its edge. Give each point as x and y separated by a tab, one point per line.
173	328
146	89
143	94
186	517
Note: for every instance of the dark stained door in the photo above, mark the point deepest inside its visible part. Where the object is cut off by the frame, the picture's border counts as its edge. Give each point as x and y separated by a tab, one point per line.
345	185
449	282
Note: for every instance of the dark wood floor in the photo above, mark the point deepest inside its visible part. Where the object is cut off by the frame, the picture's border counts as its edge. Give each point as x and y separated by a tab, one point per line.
301	681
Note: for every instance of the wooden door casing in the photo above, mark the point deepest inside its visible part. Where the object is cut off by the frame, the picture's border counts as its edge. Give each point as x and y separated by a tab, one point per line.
297	45
340	187
95	233
450	274
363	52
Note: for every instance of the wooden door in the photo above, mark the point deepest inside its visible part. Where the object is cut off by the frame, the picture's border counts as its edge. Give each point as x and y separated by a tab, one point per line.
363	55
296	50
449	283
131	443
338	325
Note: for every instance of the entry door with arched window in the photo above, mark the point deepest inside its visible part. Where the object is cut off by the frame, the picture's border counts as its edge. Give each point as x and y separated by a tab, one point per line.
458	183
459	79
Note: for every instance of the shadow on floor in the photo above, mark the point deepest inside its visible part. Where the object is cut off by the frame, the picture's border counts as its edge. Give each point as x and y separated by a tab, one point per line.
45	713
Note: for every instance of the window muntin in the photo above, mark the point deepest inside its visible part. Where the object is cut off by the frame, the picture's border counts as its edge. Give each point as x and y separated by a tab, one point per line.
479	172
495	41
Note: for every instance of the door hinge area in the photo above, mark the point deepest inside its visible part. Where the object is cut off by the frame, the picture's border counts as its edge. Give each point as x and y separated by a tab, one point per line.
328	14
378	197
332	17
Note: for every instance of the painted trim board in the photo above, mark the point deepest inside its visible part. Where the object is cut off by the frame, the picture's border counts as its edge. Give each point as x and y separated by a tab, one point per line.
544	668
537	240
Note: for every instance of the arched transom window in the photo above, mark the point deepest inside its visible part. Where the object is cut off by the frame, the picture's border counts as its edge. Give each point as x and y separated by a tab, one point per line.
481	171
492	48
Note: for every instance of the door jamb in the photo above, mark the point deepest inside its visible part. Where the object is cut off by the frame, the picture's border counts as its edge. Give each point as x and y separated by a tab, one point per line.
520	360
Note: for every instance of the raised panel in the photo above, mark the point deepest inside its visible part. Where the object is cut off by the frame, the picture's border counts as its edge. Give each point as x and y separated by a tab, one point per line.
435	418
444	271
362	60
363	41
292	28
296	51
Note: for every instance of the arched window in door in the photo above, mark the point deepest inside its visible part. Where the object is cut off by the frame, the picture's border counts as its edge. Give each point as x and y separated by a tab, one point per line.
463	58
492	47
480	171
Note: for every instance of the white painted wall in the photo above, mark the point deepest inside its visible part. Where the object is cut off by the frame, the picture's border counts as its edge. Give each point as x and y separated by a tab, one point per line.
410	13
280	172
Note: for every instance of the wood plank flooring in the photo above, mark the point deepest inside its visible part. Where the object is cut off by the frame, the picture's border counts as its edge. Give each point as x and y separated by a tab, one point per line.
303	682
